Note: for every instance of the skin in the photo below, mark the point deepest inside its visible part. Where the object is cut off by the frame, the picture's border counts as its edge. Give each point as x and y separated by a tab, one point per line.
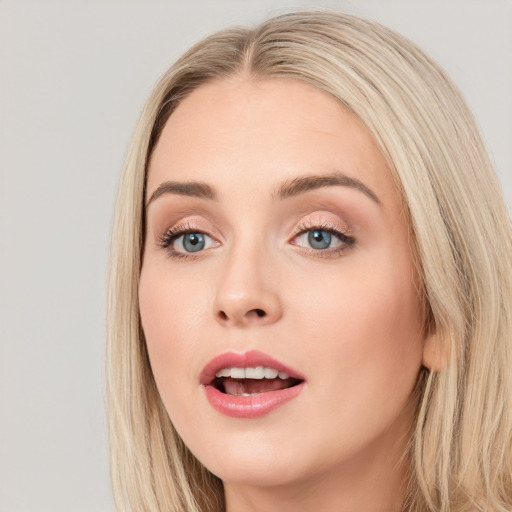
347	318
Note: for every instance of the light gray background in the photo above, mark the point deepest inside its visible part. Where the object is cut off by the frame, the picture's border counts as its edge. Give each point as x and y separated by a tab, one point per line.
73	76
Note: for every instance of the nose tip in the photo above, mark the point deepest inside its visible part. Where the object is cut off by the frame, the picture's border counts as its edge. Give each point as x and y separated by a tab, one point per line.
246	296
239	312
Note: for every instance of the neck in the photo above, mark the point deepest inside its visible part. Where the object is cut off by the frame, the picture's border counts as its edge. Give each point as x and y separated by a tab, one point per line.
377	490
320	495
376	482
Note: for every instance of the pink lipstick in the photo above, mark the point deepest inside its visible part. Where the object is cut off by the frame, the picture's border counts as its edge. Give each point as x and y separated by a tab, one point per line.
250	384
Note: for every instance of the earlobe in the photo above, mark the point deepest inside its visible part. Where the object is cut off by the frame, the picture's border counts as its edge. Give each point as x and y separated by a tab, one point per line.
436	353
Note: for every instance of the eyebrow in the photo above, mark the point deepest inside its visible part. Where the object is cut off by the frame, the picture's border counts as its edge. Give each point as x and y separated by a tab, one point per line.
290	188
303	184
190	188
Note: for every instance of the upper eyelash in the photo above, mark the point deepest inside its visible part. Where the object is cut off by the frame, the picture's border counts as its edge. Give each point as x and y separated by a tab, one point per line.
348	241
324	226
174	232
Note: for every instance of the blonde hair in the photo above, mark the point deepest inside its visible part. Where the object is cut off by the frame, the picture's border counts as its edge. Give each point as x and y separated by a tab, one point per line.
461	445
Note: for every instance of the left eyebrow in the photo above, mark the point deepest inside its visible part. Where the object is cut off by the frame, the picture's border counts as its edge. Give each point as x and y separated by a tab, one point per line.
303	184
188	188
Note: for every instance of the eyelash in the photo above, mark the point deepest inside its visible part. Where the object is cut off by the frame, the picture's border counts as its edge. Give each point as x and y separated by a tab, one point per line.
172	234
347	241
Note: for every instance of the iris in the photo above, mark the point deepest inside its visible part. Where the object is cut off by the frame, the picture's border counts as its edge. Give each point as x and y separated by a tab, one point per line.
193	242
319	239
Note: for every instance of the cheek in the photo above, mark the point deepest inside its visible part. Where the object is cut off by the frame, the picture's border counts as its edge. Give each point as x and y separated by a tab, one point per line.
172	314
363	327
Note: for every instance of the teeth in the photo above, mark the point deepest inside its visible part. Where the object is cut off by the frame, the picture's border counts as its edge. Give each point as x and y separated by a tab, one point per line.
238	373
225	372
257	372
270	373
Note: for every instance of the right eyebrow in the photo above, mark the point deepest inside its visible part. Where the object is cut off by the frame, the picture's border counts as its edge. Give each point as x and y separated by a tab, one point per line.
189	188
303	184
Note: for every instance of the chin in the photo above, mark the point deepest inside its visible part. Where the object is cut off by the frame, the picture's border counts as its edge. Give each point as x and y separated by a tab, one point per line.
259	473
246	460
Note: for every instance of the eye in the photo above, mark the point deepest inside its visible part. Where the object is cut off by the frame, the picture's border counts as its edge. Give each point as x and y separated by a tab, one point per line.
320	239
192	242
328	241
181	241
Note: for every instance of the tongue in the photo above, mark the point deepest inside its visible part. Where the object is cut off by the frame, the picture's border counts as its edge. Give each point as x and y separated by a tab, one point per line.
241	386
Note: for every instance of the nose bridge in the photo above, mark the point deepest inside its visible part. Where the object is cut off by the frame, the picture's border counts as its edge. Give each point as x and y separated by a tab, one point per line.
246	291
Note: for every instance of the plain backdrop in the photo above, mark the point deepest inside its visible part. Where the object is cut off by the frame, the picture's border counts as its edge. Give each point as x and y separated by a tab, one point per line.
73	77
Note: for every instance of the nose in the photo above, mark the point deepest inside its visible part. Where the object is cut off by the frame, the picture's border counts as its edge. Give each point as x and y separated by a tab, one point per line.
247	293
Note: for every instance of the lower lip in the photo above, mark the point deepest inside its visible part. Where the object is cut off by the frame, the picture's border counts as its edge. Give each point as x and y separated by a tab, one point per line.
250	406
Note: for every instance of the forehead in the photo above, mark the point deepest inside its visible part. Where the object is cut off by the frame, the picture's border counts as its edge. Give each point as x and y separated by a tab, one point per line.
264	132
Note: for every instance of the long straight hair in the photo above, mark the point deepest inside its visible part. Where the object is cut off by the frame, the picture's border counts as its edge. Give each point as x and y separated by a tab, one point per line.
461	443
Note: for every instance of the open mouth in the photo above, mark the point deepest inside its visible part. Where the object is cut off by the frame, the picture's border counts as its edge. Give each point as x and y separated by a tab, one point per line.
251	381
249	384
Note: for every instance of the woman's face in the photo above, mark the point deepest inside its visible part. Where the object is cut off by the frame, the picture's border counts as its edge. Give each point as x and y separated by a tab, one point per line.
276	241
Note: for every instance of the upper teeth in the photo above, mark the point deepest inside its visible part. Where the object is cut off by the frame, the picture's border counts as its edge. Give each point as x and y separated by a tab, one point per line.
253	372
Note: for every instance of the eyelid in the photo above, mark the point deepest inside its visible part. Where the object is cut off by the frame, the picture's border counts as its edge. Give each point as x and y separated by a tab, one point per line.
191	222
166	239
323	223
342	232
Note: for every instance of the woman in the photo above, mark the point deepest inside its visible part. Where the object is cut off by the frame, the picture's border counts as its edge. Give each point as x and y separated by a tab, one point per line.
311	283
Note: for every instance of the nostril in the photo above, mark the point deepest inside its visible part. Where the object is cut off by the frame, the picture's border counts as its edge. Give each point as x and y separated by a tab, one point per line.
224	317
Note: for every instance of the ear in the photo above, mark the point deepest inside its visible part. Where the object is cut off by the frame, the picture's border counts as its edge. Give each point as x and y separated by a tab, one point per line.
436	353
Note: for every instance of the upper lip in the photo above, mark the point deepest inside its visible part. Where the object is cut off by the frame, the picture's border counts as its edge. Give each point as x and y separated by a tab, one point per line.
244	360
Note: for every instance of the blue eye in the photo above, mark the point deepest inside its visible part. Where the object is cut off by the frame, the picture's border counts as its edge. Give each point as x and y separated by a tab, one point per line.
193	242
319	239
327	241
180	243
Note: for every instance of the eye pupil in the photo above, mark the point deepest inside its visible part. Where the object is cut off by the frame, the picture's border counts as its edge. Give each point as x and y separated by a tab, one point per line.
319	239
193	242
